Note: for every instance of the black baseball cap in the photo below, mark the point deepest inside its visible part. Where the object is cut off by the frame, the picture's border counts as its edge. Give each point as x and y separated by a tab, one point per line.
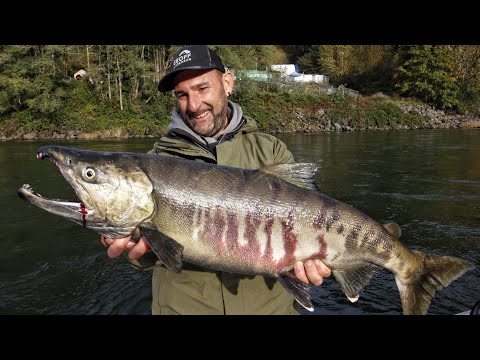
192	57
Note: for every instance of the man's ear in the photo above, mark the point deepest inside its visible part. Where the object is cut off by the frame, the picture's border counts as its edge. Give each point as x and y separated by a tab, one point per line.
228	82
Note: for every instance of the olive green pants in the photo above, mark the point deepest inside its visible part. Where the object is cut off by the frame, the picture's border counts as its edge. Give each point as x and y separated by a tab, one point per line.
199	292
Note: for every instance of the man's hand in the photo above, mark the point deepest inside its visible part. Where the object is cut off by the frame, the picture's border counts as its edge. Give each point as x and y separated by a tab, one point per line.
115	247
311	271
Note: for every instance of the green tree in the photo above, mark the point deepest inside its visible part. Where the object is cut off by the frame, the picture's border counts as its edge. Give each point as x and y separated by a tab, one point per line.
427	72
250	57
467	60
336	61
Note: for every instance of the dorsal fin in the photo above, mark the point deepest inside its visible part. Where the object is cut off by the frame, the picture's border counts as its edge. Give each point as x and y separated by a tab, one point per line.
300	174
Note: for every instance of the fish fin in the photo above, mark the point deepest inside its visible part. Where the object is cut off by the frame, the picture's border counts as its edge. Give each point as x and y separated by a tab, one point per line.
475	309
298	289
300	174
168	250
354	279
136	234
438	273
394	229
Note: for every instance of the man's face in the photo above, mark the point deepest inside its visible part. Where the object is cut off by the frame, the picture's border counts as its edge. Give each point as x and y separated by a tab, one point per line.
202	99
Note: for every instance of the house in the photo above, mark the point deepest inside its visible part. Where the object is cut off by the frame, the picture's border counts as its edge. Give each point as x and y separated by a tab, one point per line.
286	70
291	72
282	72
320	79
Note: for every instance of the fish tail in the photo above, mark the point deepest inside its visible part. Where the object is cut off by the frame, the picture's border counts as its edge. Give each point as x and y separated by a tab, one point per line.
438	272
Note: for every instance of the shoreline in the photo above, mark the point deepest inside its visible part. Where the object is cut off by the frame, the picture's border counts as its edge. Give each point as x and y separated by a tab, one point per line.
310	128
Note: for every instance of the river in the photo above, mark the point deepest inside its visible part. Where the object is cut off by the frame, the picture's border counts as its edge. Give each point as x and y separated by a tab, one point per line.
428	181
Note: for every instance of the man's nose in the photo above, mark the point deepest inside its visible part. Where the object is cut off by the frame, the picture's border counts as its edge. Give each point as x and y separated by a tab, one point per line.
194	102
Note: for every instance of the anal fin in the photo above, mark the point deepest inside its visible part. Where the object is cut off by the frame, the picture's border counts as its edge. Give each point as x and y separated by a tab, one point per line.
354	279
298	289
168	250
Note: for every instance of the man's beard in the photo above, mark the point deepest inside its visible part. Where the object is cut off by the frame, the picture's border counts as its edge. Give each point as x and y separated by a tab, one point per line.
218	120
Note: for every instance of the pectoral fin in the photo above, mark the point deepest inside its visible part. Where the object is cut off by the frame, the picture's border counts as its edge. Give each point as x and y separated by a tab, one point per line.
168	250
298	289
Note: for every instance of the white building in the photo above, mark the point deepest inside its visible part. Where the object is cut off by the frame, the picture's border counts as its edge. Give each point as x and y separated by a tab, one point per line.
286	69
290	72
320	79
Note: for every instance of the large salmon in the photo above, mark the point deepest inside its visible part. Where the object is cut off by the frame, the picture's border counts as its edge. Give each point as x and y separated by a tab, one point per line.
241	221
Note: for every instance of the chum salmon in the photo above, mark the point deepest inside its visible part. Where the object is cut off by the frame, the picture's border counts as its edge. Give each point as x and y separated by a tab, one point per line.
254	222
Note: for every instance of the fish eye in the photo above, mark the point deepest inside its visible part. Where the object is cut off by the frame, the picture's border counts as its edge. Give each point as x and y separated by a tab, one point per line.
89	173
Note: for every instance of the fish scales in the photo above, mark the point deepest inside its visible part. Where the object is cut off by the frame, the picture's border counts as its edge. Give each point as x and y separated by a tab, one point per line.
258	226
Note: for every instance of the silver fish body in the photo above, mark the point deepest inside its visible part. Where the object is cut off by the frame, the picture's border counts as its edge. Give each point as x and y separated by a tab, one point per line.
241	221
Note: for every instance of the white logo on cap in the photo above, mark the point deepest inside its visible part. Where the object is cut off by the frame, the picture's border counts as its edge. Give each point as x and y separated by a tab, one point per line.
183	57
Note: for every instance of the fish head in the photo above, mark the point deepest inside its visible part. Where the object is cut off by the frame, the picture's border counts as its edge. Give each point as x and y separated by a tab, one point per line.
115	194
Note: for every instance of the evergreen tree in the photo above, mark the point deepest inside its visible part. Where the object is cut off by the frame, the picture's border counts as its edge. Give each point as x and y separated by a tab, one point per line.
427	73
467	61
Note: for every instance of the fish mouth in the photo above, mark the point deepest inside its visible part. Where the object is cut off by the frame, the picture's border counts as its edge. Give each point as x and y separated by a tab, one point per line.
73	210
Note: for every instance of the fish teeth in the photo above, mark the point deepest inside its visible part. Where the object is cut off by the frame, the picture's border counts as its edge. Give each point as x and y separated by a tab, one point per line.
29	188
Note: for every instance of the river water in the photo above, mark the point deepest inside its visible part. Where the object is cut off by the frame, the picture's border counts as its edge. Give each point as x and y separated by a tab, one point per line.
428	181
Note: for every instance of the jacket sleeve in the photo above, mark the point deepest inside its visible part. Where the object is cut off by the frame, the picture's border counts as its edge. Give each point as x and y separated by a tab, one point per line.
156	150
281	154
159	148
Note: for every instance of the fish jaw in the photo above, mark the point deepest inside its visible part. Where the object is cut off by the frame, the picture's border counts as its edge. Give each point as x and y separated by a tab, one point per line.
75	211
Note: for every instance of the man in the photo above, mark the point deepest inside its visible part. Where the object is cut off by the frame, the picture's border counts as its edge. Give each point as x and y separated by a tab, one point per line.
207	127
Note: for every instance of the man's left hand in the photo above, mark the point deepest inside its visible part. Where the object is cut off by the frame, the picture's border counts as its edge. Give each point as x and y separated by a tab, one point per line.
311	271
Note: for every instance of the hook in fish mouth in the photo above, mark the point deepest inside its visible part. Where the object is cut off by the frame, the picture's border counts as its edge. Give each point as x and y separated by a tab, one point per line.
75	211
26	192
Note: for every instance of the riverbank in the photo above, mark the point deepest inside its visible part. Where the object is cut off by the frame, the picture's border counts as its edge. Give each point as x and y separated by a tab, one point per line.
413	116
298	125
275	113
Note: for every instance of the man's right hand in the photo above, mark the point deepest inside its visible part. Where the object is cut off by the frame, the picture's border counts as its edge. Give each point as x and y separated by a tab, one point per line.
115	247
